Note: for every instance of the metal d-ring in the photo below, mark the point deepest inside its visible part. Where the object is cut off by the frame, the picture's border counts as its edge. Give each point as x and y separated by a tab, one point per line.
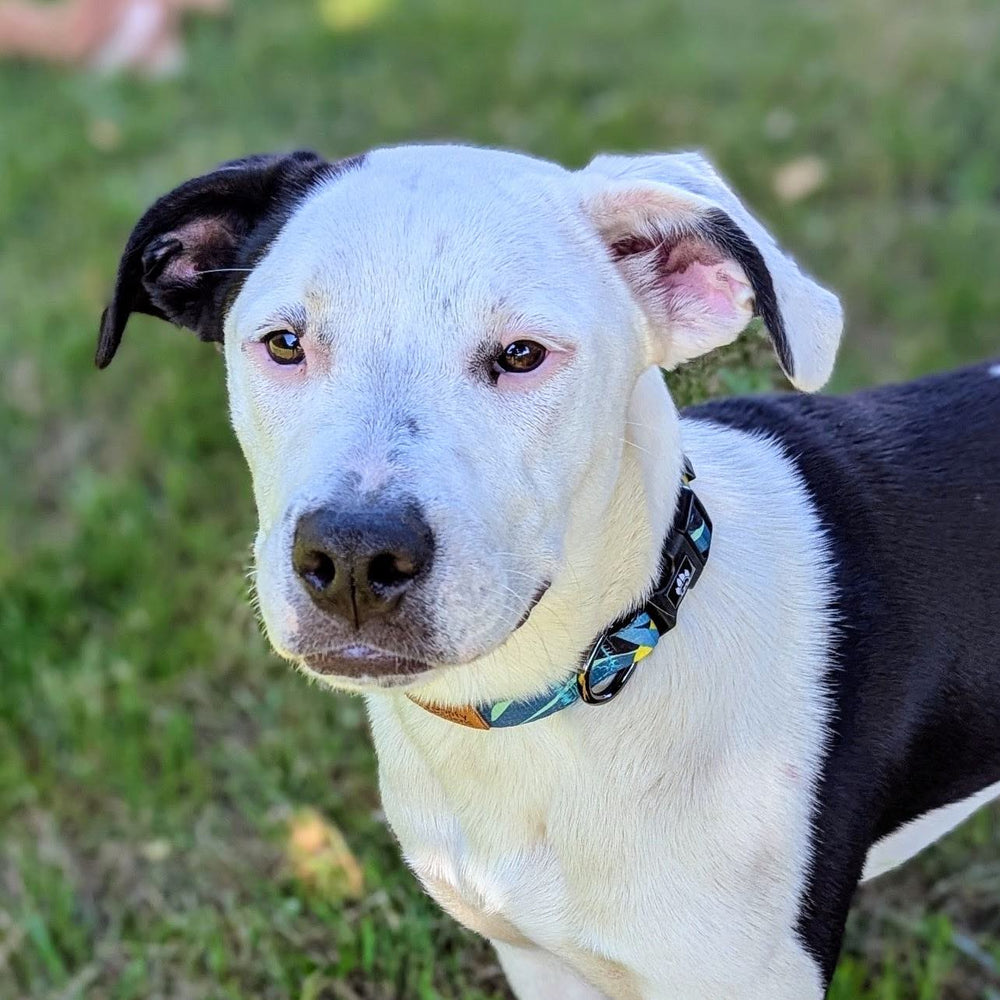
618	680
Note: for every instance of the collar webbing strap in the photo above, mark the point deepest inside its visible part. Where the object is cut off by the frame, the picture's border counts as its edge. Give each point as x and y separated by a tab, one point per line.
612	658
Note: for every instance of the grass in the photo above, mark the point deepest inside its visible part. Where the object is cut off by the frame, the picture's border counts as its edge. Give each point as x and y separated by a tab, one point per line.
151	750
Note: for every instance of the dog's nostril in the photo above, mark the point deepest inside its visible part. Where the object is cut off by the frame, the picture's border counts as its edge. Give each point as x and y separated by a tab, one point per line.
357	563
390	569
318	570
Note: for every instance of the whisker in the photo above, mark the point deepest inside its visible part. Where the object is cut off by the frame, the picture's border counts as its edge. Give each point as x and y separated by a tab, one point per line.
526	576
224	270
638	447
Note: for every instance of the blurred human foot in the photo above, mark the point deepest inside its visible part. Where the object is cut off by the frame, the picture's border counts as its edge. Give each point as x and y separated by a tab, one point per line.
111	35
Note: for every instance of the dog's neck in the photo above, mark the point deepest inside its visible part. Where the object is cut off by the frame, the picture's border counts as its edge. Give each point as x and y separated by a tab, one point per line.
727	686
612	553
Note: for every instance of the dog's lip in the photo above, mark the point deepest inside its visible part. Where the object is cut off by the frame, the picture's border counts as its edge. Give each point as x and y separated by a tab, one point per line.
538	595
358	660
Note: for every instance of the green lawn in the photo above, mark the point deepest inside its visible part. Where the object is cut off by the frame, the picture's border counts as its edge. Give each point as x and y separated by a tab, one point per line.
151	750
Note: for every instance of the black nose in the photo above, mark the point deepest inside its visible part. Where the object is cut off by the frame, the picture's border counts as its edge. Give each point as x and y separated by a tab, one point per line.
358	562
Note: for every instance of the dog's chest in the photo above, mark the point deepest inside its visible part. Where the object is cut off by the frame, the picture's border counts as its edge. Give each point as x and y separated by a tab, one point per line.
509	843
495	866
516	896
578	844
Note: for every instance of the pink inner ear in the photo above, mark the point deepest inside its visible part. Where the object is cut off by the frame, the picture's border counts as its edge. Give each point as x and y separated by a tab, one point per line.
207	244
696	298
702	288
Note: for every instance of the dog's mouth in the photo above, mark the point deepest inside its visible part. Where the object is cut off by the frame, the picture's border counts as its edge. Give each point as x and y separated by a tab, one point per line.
361	662
538	595
368	664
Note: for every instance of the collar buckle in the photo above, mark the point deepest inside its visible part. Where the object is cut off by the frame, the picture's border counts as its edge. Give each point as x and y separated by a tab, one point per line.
685	554
618	680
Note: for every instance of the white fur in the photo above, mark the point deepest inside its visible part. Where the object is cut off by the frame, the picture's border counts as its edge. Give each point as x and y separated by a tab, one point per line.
682	806
404	268
531	972
911	839
813	316
657	846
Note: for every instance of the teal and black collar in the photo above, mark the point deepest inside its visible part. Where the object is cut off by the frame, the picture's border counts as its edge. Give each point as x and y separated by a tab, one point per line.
612	658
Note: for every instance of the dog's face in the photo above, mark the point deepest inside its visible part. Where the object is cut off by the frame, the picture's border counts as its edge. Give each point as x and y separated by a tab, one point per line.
430	353
460	359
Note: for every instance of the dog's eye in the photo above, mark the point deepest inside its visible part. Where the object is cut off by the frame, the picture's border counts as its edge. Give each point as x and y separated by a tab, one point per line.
285	348
520	356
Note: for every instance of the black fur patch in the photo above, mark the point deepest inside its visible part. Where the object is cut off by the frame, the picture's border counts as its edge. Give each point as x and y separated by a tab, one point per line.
180	259
906	482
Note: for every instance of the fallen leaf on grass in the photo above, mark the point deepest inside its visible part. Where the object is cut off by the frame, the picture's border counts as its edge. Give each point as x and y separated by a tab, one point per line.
156	850
104	135
350	15
320	858
799	178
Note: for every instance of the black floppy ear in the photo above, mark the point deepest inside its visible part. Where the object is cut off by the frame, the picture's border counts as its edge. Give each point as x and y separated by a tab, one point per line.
179	260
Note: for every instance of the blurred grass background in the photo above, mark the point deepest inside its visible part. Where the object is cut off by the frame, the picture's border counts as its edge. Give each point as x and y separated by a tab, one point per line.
152	752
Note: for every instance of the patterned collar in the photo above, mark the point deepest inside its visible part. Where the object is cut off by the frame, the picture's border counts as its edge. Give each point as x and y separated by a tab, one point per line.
612	658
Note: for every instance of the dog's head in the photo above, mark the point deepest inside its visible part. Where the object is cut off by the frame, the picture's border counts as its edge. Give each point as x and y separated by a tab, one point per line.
430	355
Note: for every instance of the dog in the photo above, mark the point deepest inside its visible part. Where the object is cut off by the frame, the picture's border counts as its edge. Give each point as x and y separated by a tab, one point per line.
651	692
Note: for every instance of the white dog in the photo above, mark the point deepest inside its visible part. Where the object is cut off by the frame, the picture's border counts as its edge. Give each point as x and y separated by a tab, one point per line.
443	371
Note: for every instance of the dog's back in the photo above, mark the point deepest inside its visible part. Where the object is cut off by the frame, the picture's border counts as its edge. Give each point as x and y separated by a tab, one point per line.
906	481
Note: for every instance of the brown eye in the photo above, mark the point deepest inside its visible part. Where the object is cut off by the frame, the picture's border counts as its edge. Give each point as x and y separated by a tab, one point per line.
285	348
520	357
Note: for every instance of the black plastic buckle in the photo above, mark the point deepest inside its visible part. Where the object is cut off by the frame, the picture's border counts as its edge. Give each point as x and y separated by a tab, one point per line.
683	561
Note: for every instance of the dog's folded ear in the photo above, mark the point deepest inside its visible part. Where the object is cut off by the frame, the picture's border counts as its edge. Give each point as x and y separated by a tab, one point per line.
700	266
192	244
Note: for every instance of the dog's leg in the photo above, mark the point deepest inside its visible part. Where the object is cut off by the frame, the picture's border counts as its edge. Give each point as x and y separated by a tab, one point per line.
536	975
790	974
793	975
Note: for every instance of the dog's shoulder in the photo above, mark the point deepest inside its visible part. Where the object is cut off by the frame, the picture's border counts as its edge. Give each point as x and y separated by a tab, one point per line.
931	421
892	471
